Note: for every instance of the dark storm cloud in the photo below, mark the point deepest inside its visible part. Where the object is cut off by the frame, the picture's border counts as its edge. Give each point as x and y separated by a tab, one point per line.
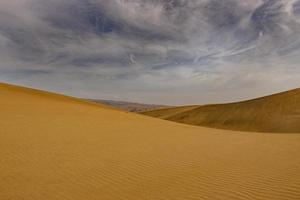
142	44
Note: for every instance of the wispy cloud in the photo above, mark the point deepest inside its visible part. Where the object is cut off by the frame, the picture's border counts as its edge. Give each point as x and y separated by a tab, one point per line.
147	50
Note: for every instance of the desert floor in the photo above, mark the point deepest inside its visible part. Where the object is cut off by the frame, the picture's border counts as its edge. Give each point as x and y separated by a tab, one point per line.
56	147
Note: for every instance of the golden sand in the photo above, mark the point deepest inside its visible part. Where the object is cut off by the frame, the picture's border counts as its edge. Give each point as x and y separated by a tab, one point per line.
58	148
278	113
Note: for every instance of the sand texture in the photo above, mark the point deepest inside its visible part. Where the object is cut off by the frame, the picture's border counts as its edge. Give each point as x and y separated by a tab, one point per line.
278	113
54	147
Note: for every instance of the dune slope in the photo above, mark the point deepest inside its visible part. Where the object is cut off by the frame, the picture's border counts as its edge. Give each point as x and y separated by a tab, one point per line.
276	113
54	147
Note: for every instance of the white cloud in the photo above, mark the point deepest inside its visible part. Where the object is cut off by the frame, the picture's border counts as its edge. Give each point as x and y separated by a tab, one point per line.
146	50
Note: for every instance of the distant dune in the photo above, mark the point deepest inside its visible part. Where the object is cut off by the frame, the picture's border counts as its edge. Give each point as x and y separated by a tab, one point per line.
128	106
54	147
274	113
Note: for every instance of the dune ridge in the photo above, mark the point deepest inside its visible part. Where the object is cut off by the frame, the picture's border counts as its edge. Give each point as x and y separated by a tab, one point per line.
54	147
278	113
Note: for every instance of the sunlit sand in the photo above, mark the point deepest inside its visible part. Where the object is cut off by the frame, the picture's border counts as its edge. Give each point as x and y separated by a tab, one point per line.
56	147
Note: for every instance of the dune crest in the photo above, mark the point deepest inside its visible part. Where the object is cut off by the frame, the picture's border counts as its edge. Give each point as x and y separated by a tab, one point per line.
278	113
55	147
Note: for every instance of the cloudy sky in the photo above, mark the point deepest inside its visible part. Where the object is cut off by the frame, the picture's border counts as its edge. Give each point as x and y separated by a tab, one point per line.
152	51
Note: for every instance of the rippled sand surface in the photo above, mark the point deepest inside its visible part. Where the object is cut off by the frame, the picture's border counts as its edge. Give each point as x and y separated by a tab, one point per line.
54	147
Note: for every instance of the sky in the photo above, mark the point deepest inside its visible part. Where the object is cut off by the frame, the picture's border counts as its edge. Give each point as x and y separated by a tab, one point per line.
171	52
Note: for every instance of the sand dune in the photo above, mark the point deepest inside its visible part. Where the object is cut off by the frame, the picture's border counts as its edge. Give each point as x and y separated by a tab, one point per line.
276	113
55	147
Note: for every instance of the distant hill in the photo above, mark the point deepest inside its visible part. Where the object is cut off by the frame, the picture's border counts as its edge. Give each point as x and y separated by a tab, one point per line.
275	113
129	106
